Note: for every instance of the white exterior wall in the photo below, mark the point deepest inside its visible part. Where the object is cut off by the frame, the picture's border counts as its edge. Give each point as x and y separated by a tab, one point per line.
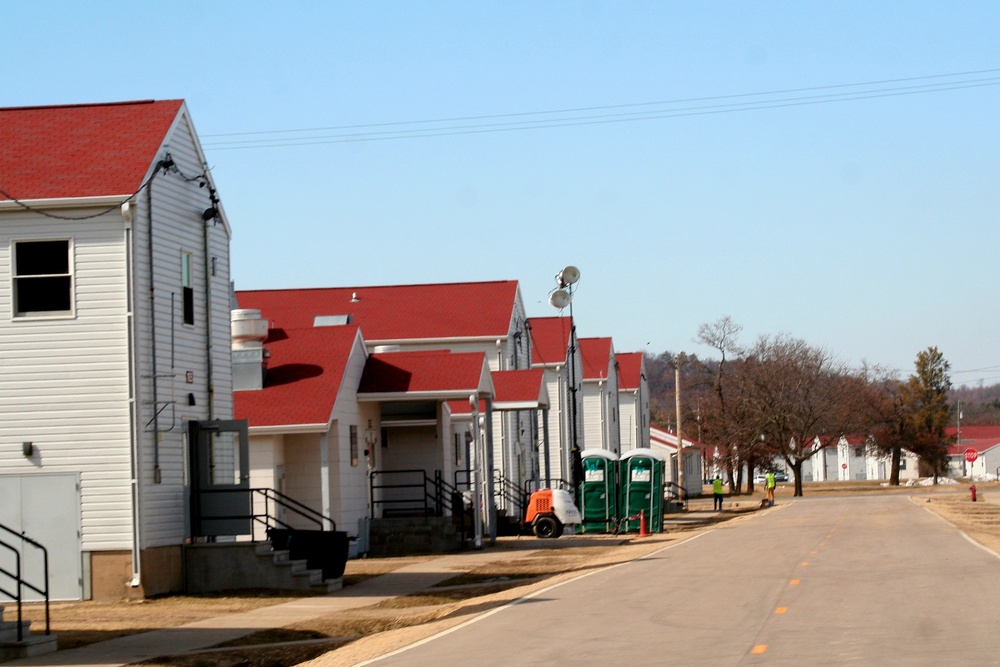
634	417
302	466
594	394
558	419
349	478
64	381
267	470
985	466
558	381
182	351
601	413
855	462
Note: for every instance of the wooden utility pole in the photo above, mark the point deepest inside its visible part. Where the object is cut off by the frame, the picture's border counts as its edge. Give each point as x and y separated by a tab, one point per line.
680	437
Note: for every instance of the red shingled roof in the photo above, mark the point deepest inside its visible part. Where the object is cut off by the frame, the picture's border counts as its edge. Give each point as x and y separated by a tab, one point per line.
515	390
524	387
435	371
305	371
86	150
629	369
975	432
664	438
596	356
398	312
549	339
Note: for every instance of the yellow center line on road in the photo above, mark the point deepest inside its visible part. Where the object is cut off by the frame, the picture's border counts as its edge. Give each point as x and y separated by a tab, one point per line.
794	582
804	564
781	610
759	648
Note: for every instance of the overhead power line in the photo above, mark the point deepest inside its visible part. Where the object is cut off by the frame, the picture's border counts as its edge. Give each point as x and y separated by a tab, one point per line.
619	113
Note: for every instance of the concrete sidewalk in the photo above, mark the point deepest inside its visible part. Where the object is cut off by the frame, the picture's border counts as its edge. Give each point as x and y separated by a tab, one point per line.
213	631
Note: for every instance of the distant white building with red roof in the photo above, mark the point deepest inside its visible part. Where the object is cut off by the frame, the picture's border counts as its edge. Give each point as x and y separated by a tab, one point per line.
115	341
406	427
555	350
984	440
695	458
633	400
600	395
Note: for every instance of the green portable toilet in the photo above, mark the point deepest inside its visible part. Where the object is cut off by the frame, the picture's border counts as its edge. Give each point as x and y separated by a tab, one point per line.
642	480
599	491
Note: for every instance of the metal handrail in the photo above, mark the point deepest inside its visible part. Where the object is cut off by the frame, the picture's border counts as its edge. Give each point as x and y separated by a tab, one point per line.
533	485
269	520
433	498
677	491
20	581
289	503
510	493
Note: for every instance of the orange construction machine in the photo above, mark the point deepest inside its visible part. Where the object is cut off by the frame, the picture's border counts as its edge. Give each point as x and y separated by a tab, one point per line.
550	511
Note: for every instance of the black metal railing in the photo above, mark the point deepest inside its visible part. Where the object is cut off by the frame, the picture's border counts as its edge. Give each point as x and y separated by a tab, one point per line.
508	496
277	500
532	485
16	579
674	491
411	492
268	518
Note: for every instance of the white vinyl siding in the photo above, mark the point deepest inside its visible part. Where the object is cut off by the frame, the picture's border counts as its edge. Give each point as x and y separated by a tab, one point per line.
348	483
64	381
600	411
634	417
181	368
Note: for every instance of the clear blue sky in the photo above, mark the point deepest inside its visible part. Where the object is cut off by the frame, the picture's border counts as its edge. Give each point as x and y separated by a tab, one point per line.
670	150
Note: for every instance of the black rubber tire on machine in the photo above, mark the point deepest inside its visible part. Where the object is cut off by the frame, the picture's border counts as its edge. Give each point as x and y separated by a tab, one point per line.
547	527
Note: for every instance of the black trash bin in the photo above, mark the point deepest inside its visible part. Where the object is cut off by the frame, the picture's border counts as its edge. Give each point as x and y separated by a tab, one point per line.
324	550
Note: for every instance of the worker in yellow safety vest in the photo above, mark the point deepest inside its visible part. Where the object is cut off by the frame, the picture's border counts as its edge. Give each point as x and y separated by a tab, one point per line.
769	488
717	493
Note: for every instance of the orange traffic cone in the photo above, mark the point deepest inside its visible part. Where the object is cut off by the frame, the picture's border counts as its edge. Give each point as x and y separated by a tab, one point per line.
643	532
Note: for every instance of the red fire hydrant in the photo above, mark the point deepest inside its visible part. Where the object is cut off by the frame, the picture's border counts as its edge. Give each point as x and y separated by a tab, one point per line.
973	490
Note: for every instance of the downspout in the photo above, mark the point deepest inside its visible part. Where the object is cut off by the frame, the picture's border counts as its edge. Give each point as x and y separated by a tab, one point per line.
133	353
152	331
605	436
618	410
211	214
505	458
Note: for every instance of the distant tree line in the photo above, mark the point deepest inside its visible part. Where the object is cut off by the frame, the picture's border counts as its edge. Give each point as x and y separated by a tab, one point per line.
782	398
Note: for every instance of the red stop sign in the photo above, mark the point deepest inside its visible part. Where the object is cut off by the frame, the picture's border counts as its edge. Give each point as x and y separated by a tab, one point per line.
971	455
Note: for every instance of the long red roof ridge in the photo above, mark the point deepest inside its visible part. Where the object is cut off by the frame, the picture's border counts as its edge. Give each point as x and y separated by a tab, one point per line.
82	105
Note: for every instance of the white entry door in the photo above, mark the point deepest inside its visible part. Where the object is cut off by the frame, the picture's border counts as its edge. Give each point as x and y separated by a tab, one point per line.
46	509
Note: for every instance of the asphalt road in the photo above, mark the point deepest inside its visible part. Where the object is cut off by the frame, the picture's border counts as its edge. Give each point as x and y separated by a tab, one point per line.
874	580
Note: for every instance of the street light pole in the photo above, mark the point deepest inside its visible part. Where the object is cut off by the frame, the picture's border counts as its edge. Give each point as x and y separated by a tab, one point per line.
560	298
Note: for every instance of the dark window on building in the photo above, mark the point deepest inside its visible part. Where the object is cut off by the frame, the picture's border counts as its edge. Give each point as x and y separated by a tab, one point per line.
42	280
354	445
187	288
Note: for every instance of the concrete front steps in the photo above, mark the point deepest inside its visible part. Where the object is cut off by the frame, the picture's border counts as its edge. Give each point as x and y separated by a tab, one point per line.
406	536
245	565
30	645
